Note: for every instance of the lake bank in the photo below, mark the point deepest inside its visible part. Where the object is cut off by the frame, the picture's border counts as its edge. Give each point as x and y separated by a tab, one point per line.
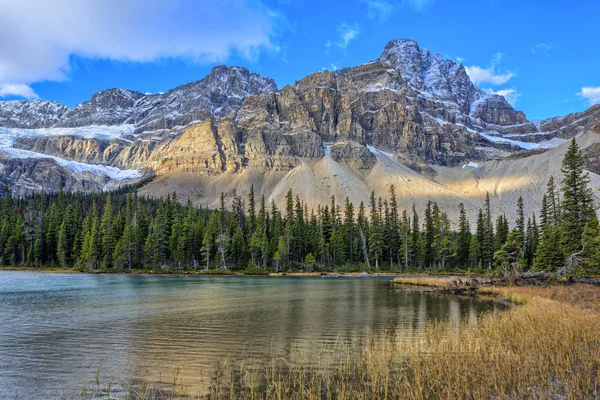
438	347
59	330
545	348
212	272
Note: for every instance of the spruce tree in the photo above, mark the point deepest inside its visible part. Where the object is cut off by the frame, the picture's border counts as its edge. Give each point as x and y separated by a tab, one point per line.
463	238
577	202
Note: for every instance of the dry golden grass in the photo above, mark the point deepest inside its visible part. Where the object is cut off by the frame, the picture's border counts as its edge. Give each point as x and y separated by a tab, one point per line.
426	281
546	348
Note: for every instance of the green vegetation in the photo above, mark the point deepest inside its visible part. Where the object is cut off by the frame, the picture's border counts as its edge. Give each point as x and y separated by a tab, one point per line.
123	231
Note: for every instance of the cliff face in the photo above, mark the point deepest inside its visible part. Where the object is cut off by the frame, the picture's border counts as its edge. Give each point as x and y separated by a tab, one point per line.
407	112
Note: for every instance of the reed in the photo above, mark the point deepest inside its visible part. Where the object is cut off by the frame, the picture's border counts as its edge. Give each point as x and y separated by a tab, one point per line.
547	347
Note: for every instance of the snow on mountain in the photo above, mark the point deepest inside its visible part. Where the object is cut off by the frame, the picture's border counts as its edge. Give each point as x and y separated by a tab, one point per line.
217	94
8	136
109	172
30	114
417	106
524	145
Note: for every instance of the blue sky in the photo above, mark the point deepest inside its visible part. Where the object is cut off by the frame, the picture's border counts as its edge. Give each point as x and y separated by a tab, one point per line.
543	55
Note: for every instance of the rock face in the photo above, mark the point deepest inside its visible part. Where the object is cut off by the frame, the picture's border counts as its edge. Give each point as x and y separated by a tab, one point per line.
219	93
409	112
30	175
30	114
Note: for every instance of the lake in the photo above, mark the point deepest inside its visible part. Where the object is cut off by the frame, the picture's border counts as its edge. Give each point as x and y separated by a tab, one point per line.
61	332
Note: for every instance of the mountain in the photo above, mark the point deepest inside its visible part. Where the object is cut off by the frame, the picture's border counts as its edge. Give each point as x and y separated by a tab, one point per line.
409	118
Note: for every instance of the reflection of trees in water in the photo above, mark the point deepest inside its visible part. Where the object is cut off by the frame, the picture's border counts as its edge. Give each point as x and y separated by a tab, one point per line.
166	328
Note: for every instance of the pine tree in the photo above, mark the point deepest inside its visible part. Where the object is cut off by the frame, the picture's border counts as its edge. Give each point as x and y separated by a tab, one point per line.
393	236
474	258
107	234
511	253
591	242
349	230
429	237
520	222
544	217
464	237
502	231
549	255
252	209
375	233
90	253
577	203
415	241
553	213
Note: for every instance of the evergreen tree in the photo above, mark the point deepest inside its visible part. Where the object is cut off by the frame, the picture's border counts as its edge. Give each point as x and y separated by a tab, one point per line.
464	237
577	203
549	255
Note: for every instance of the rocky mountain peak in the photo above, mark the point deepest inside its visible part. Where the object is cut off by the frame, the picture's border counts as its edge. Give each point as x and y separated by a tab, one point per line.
239	81
30	114
115	97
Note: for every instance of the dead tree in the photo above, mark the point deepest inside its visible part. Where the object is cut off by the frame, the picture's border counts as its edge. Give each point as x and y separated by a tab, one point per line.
364	245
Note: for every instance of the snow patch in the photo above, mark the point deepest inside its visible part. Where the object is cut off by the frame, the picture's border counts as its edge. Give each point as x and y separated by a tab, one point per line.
524	145
381	153
113	173
8	136
378	87
471	164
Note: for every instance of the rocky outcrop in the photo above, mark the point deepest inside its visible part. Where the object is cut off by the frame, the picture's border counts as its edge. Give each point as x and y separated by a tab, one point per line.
30	114
110	107
408	105
496	110
30	175
219	93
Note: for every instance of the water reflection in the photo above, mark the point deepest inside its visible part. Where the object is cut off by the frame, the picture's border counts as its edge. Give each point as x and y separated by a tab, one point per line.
56	330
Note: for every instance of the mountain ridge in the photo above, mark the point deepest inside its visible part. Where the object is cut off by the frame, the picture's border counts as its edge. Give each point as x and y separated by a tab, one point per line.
408	110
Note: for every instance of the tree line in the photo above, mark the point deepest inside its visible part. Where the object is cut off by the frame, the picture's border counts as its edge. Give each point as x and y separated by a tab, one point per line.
122	230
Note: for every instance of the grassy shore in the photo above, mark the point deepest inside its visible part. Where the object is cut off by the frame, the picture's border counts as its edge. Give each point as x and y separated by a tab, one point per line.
546	347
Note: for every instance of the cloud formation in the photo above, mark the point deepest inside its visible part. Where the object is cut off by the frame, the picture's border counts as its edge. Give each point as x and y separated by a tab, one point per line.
346	34
591	94
379	10
489	75
38	40
420	5
542	48
18	90
511	95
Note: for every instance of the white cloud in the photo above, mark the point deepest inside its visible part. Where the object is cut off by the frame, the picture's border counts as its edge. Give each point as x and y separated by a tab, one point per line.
459	60
17	89
511	95
542	48
497	58
420	5
592	94
379	10
487	75
38	39
346	34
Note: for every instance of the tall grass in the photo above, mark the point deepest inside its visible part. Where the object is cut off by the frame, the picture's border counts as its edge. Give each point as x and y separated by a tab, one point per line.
546	348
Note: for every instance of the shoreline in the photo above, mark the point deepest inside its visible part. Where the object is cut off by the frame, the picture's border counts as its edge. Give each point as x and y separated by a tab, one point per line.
326	274
203	273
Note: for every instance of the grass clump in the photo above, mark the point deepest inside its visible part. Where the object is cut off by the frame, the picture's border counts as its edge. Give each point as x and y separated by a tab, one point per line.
548	347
